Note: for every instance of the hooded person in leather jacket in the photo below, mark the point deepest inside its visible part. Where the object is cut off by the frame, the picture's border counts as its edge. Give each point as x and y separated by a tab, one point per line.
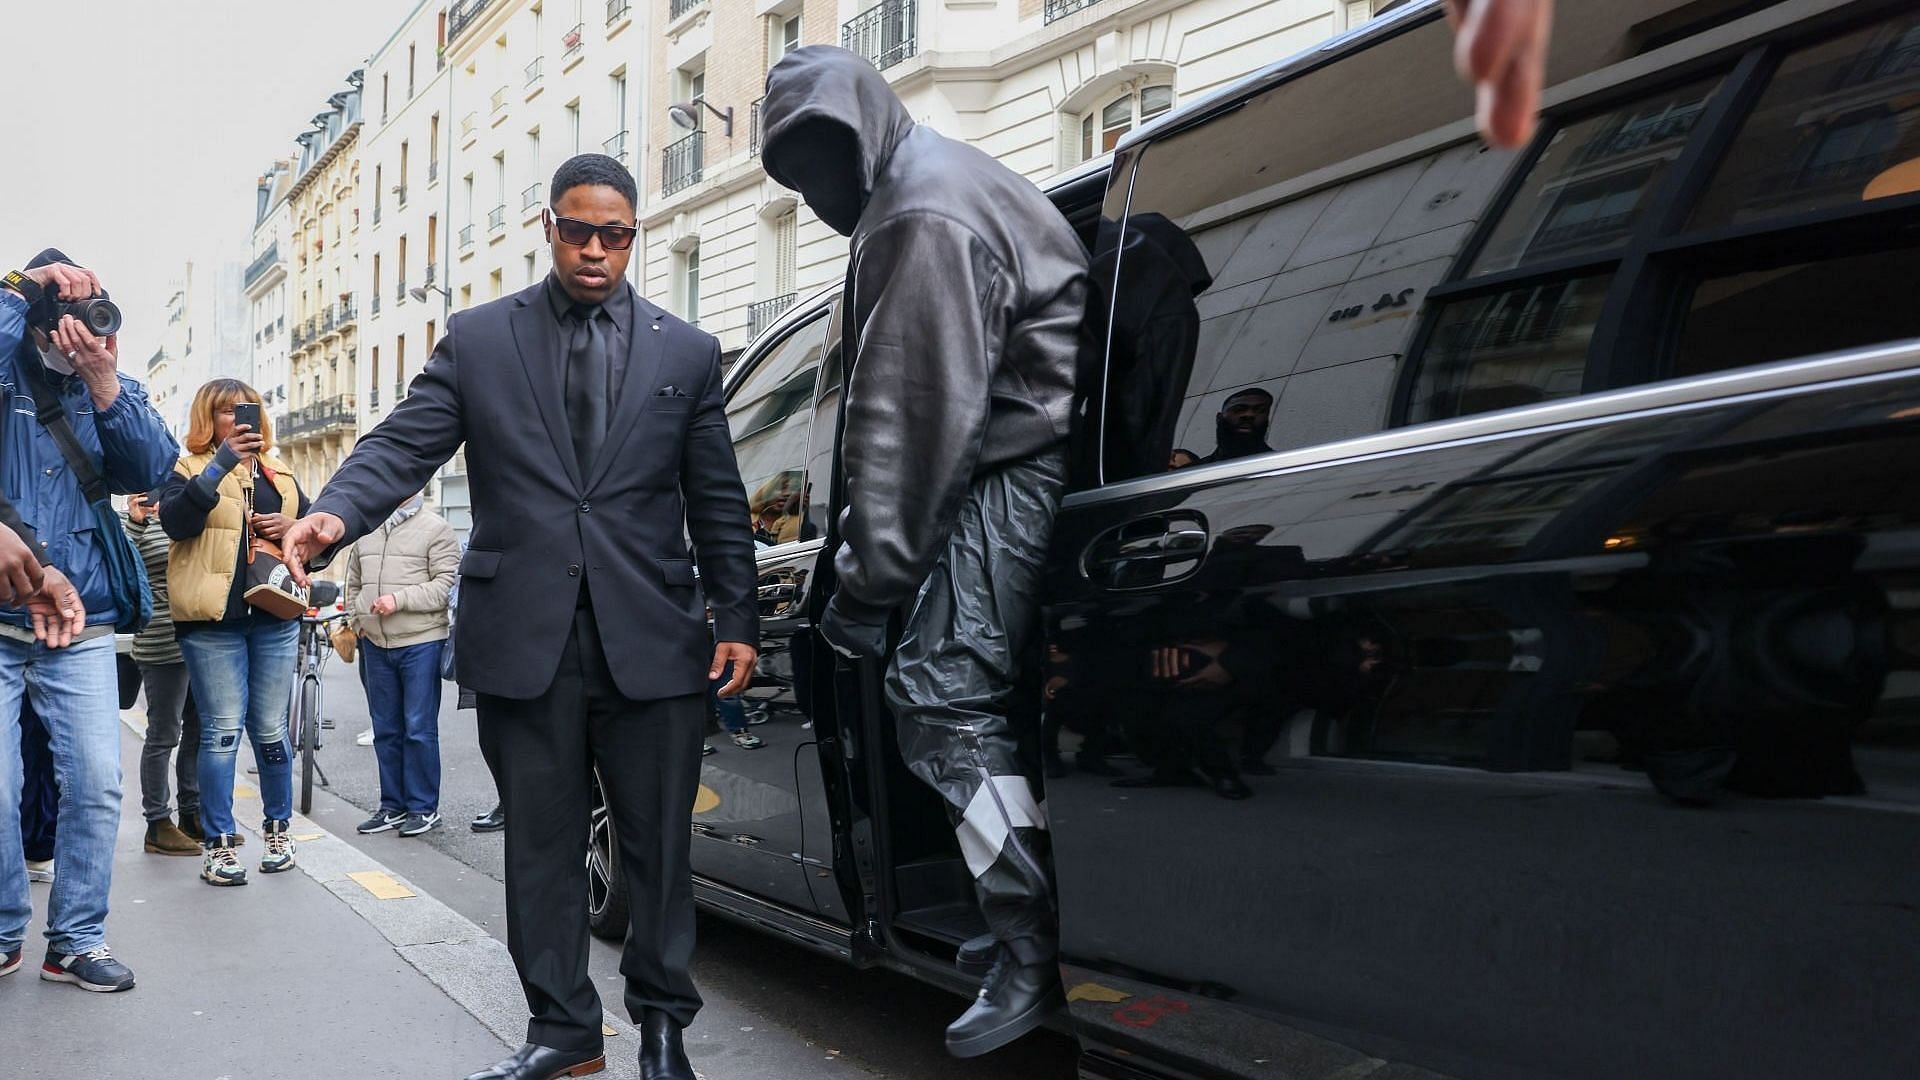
960	328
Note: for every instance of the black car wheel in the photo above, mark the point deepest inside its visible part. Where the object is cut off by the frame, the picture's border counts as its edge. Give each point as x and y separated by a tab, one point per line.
606	888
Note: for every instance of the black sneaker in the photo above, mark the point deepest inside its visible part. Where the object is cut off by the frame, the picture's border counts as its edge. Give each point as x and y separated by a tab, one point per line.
420	824
96	970
382	821
10	962
493	820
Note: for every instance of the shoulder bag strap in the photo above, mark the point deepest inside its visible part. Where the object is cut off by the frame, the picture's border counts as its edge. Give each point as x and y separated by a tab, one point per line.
52	414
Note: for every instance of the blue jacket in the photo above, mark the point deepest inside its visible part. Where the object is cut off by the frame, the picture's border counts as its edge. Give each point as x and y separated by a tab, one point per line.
139	453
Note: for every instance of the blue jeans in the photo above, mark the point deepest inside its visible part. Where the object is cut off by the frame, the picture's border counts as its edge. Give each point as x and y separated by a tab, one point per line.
732	711
243	675
403	694
76	692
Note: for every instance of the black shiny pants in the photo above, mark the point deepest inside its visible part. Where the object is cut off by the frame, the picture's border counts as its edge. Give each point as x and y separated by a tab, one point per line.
951	685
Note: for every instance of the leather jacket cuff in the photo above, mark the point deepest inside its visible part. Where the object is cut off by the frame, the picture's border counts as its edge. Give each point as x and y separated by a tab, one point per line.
853	630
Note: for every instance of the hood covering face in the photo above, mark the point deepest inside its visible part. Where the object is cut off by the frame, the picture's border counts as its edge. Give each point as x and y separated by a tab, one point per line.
832	124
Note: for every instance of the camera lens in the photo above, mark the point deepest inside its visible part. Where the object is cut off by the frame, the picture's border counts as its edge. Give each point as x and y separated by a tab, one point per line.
100	317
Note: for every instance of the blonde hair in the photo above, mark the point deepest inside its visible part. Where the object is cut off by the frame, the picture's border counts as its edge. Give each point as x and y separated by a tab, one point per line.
208	403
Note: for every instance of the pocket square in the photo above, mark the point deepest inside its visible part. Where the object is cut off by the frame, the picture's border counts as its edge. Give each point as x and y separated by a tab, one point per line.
669	391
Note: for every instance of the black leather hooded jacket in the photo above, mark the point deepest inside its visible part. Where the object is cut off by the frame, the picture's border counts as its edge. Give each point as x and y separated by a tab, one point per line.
961	315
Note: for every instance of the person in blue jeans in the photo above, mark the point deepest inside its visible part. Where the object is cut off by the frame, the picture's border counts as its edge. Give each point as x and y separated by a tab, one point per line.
400	580
56	643
240	659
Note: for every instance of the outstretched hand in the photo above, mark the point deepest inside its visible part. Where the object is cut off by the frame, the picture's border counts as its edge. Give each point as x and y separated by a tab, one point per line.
1501	48
307	538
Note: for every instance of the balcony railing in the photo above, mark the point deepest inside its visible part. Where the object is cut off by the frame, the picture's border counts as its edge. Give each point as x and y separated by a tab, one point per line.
530	198
262	264
400	197
328	320
573	41
464	14
497	218
753	129
616	9
299	337
680	168
616	148
1060	9
500	98
535	70
400	291
886	34
349	312
433	171
319	417
375	302
466	237
761	315
376	211
681	7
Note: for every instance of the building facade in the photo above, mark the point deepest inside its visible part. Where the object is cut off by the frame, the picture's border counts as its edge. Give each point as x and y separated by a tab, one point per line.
1043	85
265	282
168	367
322	310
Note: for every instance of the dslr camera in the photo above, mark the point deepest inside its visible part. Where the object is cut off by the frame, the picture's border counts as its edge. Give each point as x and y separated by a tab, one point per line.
45	309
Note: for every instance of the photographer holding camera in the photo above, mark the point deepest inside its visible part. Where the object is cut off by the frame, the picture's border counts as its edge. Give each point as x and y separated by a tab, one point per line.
72	428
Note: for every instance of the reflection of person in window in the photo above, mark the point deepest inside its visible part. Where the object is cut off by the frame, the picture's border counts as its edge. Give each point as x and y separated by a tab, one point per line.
776	506
1182	458
1240	427
1155	334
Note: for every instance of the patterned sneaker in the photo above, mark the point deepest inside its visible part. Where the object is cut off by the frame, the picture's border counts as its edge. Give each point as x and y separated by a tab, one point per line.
10	962
420	824
382	821
221	865
96	970
279	856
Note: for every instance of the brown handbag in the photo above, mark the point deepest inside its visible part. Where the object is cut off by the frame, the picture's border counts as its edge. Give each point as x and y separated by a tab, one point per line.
270	585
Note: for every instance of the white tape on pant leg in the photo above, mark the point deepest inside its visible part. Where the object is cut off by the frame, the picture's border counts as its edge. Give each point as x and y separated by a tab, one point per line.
984	829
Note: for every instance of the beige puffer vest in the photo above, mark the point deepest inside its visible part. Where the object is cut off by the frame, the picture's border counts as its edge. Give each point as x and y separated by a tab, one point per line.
200	571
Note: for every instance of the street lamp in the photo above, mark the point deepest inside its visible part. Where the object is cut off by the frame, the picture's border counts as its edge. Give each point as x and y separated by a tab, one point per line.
686	115
419	293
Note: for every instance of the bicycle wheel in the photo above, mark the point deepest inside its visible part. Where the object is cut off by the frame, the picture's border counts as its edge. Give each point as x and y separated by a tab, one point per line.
308	709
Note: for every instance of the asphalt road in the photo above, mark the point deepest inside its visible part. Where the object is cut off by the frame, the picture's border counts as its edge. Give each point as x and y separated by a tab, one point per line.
773	1009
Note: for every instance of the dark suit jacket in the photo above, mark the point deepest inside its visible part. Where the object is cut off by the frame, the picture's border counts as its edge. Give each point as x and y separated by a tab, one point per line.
541	529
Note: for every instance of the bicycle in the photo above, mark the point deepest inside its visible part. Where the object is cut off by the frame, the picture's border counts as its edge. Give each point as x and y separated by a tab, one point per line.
306	718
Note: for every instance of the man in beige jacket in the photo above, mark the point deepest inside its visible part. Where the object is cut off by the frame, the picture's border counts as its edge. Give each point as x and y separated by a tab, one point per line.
399	579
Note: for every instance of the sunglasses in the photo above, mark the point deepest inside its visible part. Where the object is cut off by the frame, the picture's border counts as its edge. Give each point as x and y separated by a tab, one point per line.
578	233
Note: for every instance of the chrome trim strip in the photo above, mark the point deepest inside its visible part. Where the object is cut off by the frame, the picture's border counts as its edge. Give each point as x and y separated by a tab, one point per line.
1902	359
725	900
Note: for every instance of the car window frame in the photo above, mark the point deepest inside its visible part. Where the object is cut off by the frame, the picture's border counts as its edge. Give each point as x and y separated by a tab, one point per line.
813	313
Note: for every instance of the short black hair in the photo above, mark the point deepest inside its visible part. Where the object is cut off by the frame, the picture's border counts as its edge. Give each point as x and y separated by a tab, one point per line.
593	169
1249	392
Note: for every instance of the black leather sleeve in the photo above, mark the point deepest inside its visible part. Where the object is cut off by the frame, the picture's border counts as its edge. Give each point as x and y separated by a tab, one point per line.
931	302
717	516
395	460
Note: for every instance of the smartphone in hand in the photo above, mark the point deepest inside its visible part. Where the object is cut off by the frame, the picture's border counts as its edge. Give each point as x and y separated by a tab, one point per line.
248	413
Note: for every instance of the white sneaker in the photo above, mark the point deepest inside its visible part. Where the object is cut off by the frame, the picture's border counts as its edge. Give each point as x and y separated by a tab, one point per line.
40	870
365	738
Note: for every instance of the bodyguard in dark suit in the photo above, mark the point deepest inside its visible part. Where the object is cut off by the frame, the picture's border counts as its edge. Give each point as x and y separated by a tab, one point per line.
594	428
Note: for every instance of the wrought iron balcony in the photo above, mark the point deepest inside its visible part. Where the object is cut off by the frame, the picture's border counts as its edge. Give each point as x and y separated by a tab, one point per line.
319	418
573	41
681	164
375	303
616	148
376	210
1060	9
400	291
535	70
761	315
530	198
349	312
682	7
328	320
433	170
259	266
617	8
299	337
463	14
497	218
400	196
886	34
466	237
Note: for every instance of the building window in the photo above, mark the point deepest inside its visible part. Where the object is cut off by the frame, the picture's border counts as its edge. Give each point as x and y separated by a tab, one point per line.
1101	127
533	267
573	128
786	230
690	285
784	38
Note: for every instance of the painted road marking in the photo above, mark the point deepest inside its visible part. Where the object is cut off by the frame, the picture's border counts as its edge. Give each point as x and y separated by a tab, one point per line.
382	886
706	800
1088	991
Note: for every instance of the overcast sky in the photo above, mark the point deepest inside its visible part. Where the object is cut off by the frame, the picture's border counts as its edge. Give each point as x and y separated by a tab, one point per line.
135	129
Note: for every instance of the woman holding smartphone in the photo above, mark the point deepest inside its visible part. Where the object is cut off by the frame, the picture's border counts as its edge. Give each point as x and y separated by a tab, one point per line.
240	658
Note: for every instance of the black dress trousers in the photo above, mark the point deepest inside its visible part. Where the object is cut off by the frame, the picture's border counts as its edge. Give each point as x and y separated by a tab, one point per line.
541	752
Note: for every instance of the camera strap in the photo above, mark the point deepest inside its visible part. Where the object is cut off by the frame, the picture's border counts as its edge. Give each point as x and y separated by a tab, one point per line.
52	414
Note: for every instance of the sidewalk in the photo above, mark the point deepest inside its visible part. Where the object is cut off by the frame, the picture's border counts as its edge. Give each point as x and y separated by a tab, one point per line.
279	979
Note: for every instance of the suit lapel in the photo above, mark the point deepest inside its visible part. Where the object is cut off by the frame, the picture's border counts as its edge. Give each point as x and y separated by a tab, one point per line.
532	337
644	352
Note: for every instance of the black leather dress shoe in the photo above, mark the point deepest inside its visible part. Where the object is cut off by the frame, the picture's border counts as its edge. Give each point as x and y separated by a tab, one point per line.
492	821
545	1063
1015	999
662	1057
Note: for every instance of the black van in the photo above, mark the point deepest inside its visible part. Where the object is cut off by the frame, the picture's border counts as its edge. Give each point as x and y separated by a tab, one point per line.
1483	637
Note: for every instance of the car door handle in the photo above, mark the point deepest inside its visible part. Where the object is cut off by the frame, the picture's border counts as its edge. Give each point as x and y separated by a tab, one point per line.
774	593
1173	545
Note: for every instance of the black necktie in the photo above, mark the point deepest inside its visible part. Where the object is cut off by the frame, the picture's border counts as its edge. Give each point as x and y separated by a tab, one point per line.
587	386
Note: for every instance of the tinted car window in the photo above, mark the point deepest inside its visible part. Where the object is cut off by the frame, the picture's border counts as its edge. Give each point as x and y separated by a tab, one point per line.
1243	327
770	414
